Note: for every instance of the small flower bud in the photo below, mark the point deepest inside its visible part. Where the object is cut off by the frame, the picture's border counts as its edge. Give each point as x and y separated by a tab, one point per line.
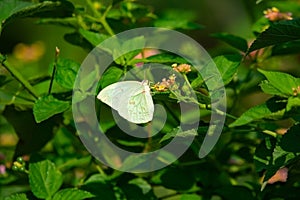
20	159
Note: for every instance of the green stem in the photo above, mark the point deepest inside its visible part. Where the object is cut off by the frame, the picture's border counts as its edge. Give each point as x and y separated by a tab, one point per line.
54	69
187	80
104	22
101	171
19	78
102	17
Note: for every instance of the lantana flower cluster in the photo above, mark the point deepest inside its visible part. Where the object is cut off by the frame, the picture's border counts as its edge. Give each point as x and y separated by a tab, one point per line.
166	84
273	14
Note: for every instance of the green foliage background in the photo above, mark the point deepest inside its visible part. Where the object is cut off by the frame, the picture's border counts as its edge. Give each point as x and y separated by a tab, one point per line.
41	155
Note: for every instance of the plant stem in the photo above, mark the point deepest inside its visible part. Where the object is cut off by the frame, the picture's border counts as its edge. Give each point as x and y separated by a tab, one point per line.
54	69
19	78
102	17
104	22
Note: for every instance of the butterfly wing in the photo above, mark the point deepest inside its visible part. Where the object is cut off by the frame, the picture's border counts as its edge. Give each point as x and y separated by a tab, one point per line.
112	94
132	100
140	107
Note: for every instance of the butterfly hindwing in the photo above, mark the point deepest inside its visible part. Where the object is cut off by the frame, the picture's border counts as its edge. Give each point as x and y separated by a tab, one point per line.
140	106
132	100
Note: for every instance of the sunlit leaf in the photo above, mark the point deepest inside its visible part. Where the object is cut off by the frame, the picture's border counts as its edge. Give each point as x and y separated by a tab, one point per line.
47	106
66	71
270	109
227	66
44	179
292	103
285	89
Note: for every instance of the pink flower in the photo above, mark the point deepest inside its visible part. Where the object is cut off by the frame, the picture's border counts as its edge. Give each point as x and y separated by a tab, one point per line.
2	169
280	176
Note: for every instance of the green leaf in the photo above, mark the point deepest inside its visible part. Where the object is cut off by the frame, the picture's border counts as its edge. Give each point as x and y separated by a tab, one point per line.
263	153
66	71
227	66
260	25
285	89
133	191
43	9
197	82
141	183
76	38
89	81
286	48
8	7
269	88
177	179
33	136
277	33
111	75
290	140
165	58
44	179
18	76
190	197
233	40
71	194
65	22
20	196
177	132
130	10
272	109
93	38
75	162
235	193
280	158
47	106
177	19
292	103
97	185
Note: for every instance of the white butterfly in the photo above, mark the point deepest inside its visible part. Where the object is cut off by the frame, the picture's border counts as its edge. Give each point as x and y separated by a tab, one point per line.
132	100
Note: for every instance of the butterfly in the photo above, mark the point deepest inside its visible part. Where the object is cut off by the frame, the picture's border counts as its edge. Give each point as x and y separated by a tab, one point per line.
132	100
